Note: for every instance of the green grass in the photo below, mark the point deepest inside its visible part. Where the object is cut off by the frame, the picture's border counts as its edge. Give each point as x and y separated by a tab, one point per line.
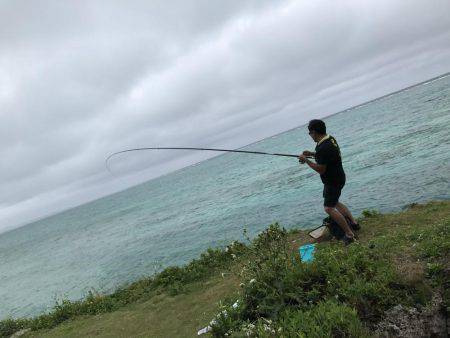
400	259
171	281
161	316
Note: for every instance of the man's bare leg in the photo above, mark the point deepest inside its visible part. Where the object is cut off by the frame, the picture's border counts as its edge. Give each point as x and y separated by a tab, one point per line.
340	220
345	211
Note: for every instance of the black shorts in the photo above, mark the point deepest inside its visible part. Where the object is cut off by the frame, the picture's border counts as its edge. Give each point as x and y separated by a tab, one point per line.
331	194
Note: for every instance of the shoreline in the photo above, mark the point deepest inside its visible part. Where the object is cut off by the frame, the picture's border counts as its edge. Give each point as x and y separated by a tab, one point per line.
178	280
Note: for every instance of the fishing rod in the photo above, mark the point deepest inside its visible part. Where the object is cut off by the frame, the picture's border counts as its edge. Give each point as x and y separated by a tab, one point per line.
201	149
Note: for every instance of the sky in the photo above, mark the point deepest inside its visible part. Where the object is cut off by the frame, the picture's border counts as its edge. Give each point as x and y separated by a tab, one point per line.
80	80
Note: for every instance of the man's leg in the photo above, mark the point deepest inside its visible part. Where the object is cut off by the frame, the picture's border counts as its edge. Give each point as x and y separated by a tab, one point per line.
340	220
331	196
345	211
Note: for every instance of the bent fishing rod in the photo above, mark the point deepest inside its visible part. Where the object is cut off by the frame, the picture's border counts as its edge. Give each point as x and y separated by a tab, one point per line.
201	149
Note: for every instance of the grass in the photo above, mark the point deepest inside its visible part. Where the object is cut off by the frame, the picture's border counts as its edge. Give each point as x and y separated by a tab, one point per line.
401	258
161	316
171	281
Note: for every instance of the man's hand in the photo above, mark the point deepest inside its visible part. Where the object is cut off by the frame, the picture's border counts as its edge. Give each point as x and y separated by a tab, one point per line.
308	153
320	168
302	158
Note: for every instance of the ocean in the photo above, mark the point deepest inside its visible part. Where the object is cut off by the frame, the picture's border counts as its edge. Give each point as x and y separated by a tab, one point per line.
396	151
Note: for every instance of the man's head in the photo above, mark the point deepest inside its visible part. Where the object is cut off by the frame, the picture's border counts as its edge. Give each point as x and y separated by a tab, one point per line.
317	129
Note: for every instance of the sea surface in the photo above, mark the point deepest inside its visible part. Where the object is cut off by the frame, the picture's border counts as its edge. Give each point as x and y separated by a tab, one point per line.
396	151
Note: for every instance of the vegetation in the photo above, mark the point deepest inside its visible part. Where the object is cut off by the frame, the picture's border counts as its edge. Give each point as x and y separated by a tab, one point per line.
172	280
281	294
400	258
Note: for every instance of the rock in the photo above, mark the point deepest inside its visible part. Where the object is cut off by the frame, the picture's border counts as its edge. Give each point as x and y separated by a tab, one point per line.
392	328
405	322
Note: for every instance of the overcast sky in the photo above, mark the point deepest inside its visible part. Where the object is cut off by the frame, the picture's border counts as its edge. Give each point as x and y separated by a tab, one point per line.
82	79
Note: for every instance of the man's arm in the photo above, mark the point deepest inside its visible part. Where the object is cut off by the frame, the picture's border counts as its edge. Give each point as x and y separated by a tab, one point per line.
320	168
308	153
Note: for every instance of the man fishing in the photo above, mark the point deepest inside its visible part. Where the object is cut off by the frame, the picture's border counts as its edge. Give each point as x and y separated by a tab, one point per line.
329	165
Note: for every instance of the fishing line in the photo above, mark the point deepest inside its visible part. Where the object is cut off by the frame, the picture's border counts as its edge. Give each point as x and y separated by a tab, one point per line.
201	149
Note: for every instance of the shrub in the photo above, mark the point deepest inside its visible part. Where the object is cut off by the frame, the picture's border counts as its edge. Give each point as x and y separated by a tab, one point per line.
175	278
326	319
276	282
228	319
370	213
9	326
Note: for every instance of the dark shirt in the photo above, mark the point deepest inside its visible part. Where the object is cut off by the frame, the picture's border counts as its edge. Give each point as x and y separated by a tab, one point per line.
328	153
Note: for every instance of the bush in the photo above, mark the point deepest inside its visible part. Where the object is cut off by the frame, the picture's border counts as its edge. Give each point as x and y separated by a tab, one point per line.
9	326
370	213
228	320
276	283
326	319
175	278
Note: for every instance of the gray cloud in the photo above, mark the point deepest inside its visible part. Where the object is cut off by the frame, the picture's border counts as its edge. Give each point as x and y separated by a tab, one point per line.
79	80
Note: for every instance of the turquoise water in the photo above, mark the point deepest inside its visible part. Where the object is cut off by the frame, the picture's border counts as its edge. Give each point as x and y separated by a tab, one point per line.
396	151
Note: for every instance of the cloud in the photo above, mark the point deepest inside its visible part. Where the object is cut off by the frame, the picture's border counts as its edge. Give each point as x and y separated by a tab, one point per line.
79	80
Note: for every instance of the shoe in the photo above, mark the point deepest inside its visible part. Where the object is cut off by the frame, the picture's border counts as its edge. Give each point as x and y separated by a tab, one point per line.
348	240
355	226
